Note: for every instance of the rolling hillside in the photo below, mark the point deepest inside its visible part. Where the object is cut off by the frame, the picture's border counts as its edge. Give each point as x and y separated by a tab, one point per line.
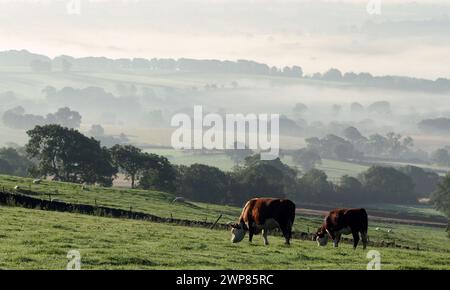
160	204
33	239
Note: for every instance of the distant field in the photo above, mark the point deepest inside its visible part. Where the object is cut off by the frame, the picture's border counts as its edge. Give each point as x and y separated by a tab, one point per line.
33	239
333	168
417	210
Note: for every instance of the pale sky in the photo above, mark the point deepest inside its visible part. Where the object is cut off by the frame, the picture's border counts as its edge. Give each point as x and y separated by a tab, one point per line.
408	38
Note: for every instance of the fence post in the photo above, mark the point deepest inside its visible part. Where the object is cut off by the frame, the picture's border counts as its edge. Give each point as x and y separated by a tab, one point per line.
216	221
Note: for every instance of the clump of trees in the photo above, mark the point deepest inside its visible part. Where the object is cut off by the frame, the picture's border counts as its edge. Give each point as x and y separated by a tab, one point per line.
14	162
150	170
441	157
238	153
333	147
17	118
306	158
439	125
355	145
67	155
441	198
204	183
386	184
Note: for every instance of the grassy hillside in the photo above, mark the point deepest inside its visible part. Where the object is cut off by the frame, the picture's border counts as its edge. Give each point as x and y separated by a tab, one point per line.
157	203
33	239
160	204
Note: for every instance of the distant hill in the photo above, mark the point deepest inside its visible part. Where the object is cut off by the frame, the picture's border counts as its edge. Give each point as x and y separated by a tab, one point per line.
66	63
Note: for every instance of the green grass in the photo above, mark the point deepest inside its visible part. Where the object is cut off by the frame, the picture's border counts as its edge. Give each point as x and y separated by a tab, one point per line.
34	239
160	204
157	203
414	210
180	157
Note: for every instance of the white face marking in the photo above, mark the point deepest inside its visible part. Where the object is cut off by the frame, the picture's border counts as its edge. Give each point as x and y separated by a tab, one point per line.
322	241
237	235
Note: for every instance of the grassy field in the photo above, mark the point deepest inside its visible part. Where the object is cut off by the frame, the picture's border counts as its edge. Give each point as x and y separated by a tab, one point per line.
34	239
157	203
416	210
160	204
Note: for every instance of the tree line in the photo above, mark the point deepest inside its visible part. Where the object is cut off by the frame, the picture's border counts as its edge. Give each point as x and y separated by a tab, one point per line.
64	154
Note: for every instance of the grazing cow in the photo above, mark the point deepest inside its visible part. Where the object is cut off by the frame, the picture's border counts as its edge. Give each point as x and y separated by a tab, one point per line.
264	214
343	222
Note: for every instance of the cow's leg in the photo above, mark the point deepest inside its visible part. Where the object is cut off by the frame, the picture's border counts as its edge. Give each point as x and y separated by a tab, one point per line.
336	240
355	239
287	232
250	234
364	239
264	234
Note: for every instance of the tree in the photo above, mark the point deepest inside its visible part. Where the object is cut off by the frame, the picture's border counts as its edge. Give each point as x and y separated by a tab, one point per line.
270	178
306	158
441	197
377	144
425	182
332	75
17	119
96	131
158	173
353	135
334	147
386	184
65	117
440	125
441	157
13	162
204	183
238	155
67	155
356	108
314	186
130	160
5	167
300	108
336	109
381	107
297	71
350	189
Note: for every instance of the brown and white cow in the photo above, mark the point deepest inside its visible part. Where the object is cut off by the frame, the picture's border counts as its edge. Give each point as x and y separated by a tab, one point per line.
343	222
264	214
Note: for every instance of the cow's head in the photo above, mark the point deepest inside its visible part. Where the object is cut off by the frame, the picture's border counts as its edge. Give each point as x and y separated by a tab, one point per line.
321	236
238	232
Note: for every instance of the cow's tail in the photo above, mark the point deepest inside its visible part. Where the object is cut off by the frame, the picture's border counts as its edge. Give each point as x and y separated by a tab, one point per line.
365	221
292	217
